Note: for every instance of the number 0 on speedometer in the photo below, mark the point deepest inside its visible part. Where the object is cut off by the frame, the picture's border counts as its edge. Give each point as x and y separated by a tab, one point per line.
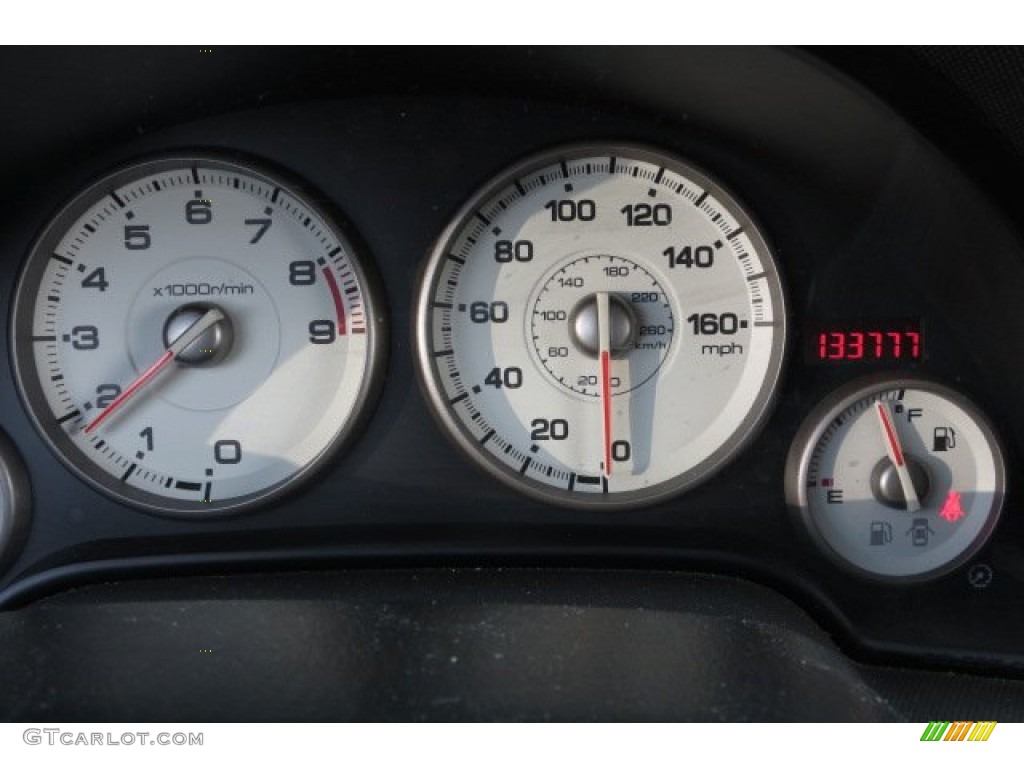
601	326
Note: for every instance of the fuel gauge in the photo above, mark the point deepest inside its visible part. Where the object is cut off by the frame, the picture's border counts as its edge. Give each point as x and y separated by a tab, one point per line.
898	479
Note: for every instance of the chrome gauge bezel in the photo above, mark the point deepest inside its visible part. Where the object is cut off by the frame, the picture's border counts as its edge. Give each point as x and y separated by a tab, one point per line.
744	434
15	507
22	356
812	430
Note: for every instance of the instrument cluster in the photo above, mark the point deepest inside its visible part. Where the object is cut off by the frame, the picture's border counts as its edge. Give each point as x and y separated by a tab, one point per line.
441	328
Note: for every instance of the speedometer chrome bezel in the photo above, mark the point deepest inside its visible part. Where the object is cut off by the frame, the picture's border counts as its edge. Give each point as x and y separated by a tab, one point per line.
744	434
262	170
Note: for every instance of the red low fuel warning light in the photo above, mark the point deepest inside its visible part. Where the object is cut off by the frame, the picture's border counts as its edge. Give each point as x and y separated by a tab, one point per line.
951	508
867	342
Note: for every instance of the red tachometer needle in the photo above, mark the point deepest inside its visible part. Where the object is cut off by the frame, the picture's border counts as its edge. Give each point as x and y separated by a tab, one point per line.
605	355
200	326
895	452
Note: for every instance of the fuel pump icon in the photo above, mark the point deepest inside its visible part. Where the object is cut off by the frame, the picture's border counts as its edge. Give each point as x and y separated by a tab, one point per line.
943	439
881	533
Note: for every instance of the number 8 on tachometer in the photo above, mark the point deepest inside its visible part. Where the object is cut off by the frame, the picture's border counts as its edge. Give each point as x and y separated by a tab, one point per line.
601	326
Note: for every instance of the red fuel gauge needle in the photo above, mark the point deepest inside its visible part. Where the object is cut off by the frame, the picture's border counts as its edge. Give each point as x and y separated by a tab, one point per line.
200	326
896	456
605	356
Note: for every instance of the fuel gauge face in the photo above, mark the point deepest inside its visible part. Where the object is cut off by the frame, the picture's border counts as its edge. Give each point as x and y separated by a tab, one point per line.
899	479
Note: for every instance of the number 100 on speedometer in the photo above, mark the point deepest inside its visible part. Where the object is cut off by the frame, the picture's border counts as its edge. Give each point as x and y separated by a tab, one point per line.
601	326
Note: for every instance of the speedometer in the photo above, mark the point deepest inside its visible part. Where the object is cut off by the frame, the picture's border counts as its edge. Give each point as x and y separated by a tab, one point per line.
601	326
193	335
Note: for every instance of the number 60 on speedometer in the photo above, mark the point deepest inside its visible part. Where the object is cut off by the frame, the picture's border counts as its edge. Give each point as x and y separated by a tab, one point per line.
601	326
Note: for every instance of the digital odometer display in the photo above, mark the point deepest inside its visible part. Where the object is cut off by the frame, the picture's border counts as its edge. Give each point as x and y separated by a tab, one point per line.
900	341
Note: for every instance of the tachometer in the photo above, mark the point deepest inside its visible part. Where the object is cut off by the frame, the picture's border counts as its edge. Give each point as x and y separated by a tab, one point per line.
601	326
193	335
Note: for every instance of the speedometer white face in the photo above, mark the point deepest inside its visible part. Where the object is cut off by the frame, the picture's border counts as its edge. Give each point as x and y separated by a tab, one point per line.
193	337
601	326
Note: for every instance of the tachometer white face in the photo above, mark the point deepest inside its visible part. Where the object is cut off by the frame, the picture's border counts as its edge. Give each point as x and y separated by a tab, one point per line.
601	326
194	337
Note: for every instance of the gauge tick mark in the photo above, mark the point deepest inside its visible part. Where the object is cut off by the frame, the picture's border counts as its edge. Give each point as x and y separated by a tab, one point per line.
69	416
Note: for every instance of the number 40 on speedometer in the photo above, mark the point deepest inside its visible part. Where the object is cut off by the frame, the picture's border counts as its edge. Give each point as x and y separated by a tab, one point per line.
601	326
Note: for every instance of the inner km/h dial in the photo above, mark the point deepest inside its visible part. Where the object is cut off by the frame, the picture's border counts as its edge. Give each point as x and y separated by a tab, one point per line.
640	325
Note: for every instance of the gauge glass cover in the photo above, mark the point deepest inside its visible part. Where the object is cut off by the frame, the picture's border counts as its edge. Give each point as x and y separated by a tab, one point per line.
843	478
601	326
128	272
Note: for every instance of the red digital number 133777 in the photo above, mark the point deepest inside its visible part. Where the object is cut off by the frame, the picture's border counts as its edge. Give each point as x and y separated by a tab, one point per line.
870	345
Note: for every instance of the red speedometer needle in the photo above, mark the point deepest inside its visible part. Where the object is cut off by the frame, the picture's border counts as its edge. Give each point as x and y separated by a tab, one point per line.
604	353
896	456
194	331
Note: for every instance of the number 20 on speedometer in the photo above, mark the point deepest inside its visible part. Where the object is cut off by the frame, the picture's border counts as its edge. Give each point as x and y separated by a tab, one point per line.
601	326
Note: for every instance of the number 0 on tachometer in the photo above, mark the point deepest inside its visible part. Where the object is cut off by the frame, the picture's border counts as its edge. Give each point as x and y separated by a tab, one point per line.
601	326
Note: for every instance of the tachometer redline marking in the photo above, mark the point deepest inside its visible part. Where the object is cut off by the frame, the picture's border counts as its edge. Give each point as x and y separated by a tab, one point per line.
336	296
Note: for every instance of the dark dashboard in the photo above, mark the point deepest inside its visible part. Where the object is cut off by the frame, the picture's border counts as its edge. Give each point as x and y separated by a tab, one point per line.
399	580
